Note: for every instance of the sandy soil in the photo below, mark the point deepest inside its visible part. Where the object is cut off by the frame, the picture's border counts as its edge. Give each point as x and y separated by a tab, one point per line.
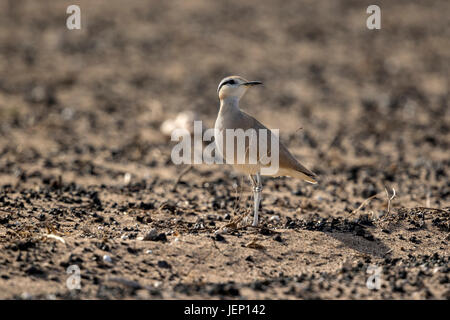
82	156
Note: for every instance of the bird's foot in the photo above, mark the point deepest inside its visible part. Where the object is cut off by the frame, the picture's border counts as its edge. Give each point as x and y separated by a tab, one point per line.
257	189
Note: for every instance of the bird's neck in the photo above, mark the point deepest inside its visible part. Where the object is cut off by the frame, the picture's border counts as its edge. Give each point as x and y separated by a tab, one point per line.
229	105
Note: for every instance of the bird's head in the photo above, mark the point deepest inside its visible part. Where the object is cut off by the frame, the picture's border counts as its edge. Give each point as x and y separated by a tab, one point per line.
234	87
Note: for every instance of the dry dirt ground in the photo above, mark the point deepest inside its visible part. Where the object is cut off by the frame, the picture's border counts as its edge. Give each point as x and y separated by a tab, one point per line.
82	156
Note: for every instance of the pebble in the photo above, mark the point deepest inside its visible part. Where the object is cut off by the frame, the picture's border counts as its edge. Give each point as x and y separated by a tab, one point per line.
67	113
164	264
221	231
274	218
220	238
107	259
151	235
26	296
437	269
278	238
127	178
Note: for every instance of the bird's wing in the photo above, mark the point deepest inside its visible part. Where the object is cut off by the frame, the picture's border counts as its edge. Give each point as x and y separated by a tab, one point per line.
287	162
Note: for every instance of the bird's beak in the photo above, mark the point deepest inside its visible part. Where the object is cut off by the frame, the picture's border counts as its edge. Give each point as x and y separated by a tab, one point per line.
252	83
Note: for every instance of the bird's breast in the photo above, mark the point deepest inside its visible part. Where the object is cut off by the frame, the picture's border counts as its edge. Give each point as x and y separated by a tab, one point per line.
219	134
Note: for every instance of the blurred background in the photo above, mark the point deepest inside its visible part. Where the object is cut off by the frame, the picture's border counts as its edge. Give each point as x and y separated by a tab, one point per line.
77	102
364	109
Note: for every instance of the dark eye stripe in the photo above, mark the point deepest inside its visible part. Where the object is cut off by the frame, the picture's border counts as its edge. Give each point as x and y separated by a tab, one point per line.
231	81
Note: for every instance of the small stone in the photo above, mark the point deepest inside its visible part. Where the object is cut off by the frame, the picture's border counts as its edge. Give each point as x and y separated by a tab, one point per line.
161	237
147	205
164	264
151	235
26	296
278	238
437	269
274	218
221	231
35	271
107	259
219	238
414	239
127	178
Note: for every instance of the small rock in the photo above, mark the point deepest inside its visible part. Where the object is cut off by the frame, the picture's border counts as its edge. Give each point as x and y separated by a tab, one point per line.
278	238
164	264
35	271
274	218
107	259
161	237
414	239
147	205
26	296
221	231
219	238
127	178
151	235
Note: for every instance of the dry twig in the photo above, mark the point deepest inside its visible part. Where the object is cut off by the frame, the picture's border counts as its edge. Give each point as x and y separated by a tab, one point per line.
364	203
389	199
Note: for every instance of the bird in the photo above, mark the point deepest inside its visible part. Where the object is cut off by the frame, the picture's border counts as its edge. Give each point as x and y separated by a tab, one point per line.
230	91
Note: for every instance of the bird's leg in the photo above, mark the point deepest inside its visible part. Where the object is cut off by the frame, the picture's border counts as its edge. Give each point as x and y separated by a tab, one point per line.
257	188
254	184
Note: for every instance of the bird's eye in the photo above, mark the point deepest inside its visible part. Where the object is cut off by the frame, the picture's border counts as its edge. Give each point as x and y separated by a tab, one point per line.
230	82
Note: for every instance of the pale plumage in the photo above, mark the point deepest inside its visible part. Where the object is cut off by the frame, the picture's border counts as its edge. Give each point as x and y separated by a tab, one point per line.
230	91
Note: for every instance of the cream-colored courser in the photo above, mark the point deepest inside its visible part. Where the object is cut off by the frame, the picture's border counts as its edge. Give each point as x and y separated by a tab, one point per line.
230	91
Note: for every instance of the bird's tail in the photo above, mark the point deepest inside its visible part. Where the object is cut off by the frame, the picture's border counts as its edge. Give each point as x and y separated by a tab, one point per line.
306	176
